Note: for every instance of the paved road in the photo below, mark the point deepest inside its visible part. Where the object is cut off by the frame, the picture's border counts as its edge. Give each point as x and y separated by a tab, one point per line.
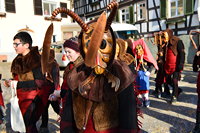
160	117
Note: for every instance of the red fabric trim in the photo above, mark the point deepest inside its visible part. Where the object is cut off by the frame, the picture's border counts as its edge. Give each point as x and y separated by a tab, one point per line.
139	111
1	100
143	91
58	87
44	94
16	77
25	98
64	85
147	53
90	128
170	64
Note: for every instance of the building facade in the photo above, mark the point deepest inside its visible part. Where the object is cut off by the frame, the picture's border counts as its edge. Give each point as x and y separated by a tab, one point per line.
32	16
150	16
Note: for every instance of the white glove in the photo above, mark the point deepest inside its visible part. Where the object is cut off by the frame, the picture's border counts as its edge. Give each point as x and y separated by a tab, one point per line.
55	95
147	73
198	53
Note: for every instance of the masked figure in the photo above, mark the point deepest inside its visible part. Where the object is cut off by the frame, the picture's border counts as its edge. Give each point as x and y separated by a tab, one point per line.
175	58
196	66
161	39
100	96
35	75
144	64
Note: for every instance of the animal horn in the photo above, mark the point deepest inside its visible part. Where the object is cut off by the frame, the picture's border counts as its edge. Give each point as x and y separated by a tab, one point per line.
112	6
190	35
46	48
95	42
71	14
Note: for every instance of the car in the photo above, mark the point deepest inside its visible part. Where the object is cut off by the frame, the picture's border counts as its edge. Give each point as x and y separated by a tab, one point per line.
60	54
125	31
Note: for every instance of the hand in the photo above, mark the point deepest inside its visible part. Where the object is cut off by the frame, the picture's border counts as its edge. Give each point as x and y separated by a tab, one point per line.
147	73
7	83
198	53
53	97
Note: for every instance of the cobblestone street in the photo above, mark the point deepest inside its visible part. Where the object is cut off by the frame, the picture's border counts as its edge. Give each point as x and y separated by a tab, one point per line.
160	117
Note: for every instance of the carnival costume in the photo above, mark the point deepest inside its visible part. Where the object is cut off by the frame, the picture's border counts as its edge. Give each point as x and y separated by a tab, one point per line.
99	95
161	39
33	88
175	58
53	77
196	66
144	64
2	114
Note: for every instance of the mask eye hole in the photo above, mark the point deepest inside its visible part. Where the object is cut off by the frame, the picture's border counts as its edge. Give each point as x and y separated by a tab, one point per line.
87	43
103	44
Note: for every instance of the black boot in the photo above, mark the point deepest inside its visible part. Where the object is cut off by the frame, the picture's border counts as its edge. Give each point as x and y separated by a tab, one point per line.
166	92
197	126
173	99
158	90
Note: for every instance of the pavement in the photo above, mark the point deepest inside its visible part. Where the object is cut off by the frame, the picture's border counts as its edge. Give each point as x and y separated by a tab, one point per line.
160	117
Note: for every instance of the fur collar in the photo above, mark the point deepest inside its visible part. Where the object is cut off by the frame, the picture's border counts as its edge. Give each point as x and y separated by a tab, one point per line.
23	64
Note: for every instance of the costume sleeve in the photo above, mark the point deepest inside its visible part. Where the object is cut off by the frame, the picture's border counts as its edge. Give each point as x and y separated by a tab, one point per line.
64	89
180	56
194	65
56	76
150	67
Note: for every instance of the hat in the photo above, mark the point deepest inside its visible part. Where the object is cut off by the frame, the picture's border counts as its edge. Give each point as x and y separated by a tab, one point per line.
71	44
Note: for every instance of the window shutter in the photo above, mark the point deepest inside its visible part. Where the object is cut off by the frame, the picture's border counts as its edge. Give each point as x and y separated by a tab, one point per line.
188	7
117	16
63	15
10	6
163	9
131	15
37	7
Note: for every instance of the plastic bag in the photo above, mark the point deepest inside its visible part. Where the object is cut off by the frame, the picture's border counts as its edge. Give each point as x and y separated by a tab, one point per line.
17	121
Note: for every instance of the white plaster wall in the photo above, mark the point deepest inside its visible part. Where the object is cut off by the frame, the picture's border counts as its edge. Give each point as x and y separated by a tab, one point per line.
152	14
150	3
24	15
181	25
163	24
182	32
153	26
144	27
172	26
195	21
157	2
138	27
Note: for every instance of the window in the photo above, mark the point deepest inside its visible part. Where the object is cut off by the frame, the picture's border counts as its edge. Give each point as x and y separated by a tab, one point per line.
37	7
10	6
125	15
63	15
48	7
141	11
176	8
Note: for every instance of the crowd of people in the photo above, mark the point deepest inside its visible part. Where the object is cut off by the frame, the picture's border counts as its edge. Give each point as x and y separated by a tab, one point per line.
101	83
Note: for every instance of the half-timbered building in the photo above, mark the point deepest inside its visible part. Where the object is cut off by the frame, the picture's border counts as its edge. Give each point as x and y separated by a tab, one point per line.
150	16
